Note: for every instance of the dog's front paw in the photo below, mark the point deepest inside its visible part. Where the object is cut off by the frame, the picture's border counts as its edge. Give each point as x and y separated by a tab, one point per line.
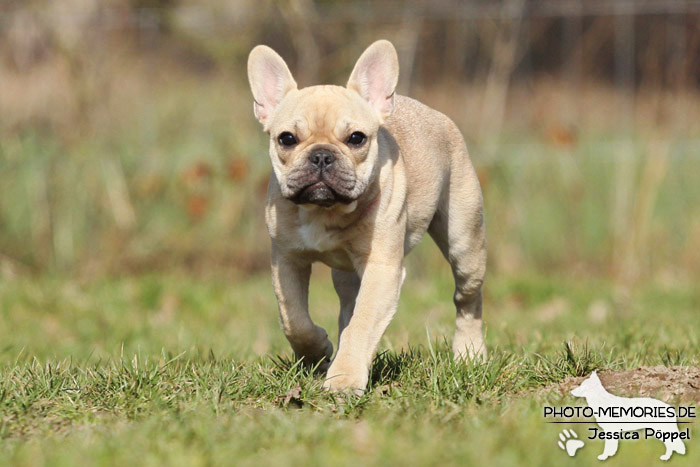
318	356
326	356
346	379
313	349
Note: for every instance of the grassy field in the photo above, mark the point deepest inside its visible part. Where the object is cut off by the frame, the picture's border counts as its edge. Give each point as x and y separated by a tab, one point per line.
137	319
173	370
170	354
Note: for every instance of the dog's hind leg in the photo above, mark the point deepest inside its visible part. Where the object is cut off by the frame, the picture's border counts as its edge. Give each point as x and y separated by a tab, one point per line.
347	285
458	229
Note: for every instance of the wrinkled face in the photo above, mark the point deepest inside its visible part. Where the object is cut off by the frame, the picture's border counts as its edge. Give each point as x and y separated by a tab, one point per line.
323	145
323	139
590	386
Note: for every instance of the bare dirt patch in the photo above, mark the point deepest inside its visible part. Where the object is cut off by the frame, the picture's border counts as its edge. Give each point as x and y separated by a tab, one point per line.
670	384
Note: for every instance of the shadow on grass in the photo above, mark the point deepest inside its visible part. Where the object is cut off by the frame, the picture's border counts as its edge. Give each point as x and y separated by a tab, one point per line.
433	376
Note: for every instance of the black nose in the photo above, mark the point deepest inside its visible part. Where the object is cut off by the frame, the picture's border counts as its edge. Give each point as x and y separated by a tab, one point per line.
321	159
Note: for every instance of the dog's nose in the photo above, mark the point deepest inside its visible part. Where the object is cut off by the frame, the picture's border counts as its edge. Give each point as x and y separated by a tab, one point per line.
321	159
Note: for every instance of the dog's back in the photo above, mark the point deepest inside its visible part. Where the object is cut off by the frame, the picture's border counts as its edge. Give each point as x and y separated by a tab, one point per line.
436	160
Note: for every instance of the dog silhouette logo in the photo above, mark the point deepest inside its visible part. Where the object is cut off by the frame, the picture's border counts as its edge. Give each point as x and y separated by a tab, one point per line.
622	418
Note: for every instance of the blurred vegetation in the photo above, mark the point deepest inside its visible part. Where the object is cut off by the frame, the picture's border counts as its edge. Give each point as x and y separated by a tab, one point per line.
127	141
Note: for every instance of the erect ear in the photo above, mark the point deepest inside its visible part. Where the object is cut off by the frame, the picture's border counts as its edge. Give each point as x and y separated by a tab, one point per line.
375	76
270	80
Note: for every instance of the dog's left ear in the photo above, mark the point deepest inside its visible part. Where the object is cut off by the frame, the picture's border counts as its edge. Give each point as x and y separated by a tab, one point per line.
375	76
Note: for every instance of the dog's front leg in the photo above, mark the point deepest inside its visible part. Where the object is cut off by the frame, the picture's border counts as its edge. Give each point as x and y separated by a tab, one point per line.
290	278
374	307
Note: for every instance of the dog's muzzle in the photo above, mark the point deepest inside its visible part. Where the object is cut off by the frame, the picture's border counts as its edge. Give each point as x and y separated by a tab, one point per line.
321	160
322	185
319	193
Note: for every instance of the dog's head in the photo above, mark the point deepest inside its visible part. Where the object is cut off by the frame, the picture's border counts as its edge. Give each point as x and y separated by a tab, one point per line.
323	139
591	386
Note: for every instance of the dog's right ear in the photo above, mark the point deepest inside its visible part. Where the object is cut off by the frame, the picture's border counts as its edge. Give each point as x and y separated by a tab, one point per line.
270	80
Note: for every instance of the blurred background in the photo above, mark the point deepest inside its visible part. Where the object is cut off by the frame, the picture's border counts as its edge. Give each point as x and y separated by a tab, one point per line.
128	142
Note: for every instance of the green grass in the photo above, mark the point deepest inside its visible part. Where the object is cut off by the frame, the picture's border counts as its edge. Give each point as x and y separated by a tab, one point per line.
171	370
152	166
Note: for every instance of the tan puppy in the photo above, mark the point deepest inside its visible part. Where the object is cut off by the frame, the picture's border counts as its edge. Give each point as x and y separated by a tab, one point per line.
360	175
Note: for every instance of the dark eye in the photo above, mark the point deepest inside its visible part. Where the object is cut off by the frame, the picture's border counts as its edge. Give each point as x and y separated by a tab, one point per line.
286	139
357	139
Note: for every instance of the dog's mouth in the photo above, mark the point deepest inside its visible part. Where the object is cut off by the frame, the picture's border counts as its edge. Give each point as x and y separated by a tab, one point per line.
320	194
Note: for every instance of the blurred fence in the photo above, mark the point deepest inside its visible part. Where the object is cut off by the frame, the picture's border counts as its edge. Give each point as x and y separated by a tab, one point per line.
127	141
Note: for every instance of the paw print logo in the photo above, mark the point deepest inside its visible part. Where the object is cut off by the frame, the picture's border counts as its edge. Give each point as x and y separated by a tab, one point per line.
569	442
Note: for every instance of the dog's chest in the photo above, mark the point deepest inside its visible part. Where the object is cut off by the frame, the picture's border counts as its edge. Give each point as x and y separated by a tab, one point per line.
323	244
315	236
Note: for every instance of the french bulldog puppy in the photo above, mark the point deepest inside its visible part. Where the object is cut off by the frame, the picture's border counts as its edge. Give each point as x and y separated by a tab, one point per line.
360	174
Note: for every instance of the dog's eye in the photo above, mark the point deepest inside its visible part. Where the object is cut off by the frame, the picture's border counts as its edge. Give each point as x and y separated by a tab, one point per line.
357	139
287	139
